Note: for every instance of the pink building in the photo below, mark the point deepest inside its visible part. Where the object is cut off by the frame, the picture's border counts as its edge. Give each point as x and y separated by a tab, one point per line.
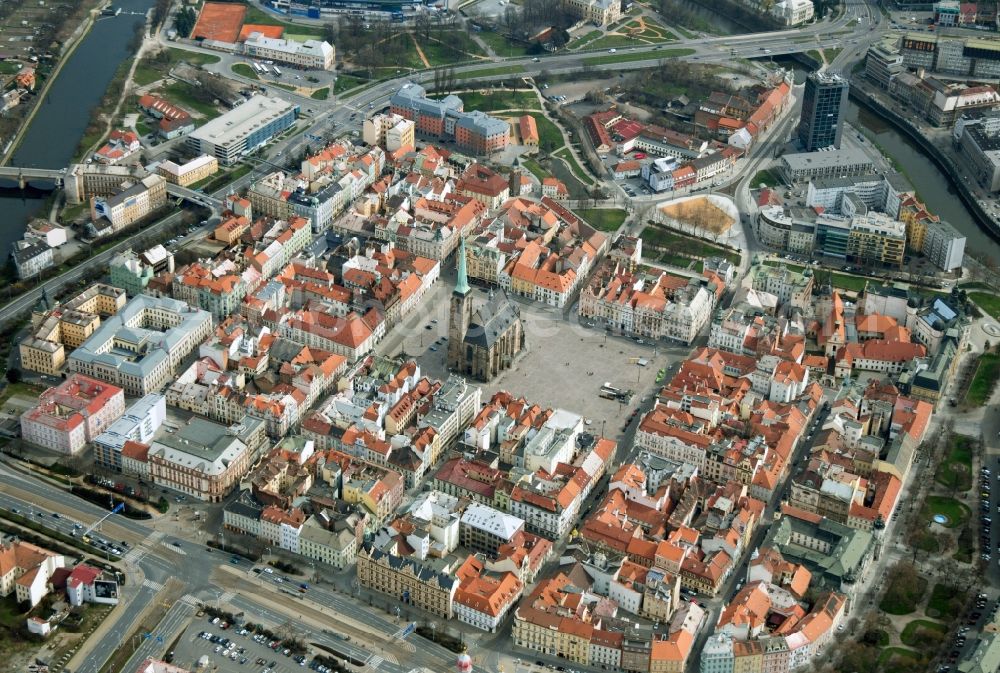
72	414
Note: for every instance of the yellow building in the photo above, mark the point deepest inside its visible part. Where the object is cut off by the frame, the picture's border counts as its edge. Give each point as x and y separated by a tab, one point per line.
877	237
67	326
598	12
406	581
197	169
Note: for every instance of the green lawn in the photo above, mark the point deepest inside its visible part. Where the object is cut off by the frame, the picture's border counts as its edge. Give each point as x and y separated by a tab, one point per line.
989	303
449	47
949	507
911	634
609	41
535	168
9	67
145	74
955	471
583	39
946	602
765	177
20	388
192	57
144	126
255	15
345	82
678	244
491	72
180	94
504	47
502	99
244	70
643	56
890	654
985	379
321	94
603	219
679	261
577	189
570	160
151	69
683	31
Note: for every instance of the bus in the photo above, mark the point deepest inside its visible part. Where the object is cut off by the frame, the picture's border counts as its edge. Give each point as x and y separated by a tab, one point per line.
276	71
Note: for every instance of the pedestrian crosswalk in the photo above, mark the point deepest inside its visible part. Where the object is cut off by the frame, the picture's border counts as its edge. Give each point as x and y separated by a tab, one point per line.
150	584
188	599
374	662
226	596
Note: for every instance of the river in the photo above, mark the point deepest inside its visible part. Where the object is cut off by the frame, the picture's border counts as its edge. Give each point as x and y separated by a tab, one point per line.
55	132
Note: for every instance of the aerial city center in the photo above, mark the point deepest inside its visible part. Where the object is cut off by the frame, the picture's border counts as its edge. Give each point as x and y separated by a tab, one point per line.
499	336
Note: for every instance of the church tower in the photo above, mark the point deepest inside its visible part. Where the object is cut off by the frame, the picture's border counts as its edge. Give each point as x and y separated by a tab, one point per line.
461	315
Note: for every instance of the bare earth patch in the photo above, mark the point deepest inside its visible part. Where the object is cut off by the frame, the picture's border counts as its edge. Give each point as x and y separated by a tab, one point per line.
700	212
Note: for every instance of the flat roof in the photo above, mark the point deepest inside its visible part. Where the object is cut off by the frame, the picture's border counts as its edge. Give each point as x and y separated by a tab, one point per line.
242	120
827	159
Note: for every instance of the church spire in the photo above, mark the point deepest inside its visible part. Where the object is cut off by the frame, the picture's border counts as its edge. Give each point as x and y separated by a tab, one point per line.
462	284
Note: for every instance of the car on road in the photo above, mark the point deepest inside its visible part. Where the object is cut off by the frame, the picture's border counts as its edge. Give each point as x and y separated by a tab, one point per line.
612	51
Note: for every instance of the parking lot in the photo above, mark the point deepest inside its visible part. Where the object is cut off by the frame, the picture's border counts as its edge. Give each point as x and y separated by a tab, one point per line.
232	649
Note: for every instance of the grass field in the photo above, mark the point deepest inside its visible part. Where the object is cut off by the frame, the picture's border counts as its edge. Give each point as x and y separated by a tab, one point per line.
946	602
568	157
990	303
20	388
583	39
502	46
949	507
321	94
255	15
890	654
345	82
955	471
644	56
180	93
450	47
678	244
535	168
502	99
764	177
151	69
491	72
985	379
244	70
911	634
603	219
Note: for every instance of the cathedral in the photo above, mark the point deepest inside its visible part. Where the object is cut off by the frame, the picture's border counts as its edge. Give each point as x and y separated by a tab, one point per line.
484	343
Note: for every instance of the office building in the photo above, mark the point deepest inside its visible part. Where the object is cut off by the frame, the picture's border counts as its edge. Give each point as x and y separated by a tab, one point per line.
132	272
206	460
824	104
877	237
139	424
943	245
243	129
389	131
31	258
803	166
883	63
312	54
72	414
140	347
597	12
953	51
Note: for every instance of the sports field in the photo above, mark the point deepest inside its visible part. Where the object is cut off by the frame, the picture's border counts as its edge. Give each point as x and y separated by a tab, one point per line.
219	21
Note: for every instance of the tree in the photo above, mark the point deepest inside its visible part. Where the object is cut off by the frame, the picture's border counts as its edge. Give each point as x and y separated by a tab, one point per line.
13	375
184	21
329	33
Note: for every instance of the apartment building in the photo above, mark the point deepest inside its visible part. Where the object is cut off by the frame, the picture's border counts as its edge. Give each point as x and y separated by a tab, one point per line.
140	347
73	413
26	570
484	530
132	271
877	237
31	258
790	287
389	131
138	424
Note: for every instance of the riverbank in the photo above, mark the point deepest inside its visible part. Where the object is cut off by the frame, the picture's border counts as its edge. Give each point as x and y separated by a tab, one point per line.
75	40
870	102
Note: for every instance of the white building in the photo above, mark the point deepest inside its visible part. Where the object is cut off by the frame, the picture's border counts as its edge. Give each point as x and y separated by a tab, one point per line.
243	129
944	246
139	424
312	54
31	258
